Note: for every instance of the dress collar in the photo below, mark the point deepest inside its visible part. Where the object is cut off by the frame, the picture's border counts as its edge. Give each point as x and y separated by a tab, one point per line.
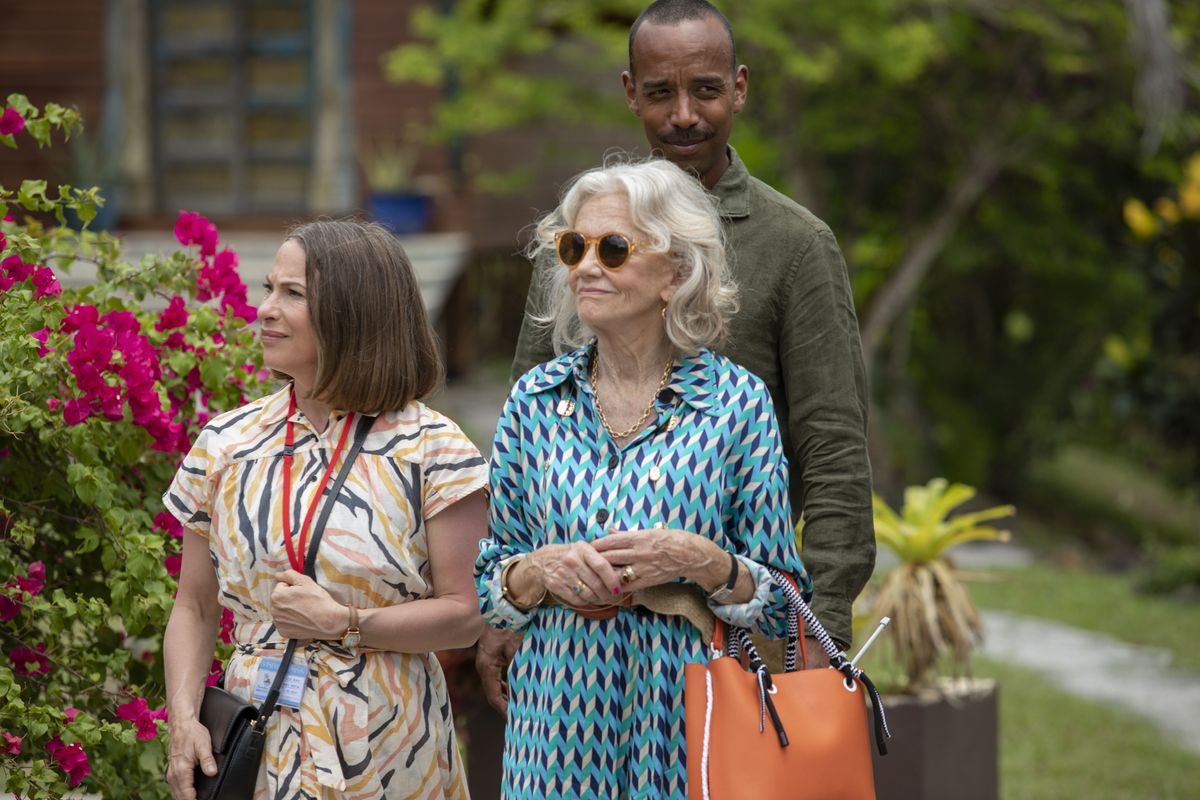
691	380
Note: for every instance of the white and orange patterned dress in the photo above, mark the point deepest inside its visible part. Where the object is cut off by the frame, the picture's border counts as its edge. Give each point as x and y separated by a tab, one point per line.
372	724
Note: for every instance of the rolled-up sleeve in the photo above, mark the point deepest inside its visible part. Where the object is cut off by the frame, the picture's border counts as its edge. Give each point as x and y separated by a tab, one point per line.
508	531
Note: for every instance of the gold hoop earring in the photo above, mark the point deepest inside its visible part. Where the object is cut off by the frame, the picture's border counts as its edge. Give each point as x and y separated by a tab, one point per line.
664	312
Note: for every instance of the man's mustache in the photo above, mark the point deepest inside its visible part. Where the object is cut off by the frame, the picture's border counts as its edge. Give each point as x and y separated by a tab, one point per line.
689	136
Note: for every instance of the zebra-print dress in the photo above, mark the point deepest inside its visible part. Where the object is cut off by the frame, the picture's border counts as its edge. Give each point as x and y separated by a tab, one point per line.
373	724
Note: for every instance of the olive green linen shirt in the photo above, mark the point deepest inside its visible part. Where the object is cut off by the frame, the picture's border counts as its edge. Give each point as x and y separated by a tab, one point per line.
796	330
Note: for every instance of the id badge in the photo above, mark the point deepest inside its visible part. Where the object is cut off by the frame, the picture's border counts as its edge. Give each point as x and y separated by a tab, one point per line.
292	689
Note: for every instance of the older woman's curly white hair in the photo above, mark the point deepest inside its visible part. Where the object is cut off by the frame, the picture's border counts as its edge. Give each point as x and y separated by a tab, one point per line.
672	214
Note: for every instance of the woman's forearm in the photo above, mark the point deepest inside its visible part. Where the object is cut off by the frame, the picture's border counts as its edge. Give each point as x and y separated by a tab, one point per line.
422	626
188	646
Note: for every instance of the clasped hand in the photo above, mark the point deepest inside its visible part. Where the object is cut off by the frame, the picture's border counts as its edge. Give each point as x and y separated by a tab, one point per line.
302	609
601	571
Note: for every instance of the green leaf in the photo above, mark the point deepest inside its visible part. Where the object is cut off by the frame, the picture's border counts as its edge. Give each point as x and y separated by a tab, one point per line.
8	140
32	195
39	129
214	371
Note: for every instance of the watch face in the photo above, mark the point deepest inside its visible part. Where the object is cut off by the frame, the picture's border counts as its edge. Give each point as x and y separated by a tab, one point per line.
351	639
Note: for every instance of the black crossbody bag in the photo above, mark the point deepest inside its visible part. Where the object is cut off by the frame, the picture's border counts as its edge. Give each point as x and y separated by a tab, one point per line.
238	729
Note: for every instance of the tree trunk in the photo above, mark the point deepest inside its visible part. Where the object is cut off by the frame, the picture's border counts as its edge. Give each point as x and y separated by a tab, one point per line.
897	293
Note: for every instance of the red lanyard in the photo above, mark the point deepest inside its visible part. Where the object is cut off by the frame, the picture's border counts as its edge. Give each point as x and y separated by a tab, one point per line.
296	554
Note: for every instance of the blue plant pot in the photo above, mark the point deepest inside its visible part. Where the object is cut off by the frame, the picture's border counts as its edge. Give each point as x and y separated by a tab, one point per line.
402	213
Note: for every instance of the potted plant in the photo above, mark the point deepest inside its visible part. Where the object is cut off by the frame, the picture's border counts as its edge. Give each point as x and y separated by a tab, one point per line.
945	722
395	199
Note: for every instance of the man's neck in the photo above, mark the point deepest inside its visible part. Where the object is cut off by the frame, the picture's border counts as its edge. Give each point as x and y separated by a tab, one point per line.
714	175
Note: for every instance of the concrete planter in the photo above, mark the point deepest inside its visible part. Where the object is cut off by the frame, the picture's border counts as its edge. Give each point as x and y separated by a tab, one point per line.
945	744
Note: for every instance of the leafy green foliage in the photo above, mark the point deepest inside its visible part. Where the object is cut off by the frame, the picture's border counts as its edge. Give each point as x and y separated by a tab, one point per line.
100	392
997	143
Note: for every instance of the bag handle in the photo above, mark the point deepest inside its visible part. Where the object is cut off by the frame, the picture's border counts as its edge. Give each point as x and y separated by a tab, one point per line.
737	641
360	437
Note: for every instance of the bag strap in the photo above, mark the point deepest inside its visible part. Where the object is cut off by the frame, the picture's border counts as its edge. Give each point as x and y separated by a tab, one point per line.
737	641
360	437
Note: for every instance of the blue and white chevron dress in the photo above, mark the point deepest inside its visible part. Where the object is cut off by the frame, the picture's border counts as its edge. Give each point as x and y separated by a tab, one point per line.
596	707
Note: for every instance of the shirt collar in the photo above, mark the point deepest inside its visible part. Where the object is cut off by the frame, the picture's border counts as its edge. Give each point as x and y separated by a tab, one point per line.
733	188
692	380
275	408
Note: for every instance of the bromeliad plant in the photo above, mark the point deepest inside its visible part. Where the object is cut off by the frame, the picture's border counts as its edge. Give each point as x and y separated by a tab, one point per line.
100	397
933	616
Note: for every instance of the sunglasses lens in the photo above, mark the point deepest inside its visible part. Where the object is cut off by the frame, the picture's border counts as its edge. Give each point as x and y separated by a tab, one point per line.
570	248
613	250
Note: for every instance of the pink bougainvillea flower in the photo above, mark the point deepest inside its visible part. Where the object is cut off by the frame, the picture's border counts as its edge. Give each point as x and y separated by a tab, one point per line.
176	315
29	662
9	608
215	673
193	229
11	122
42	336
15	268
226	626
12	744
45	283
143	718
79	316
76	411
71	713
172	563
165	522
54	404
35	579
71	759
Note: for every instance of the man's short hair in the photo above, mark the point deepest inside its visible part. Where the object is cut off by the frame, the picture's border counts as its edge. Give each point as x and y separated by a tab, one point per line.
376	351
673	12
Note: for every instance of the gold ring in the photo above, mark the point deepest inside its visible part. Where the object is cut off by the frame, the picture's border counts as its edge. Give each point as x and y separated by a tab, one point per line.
628	575
579	586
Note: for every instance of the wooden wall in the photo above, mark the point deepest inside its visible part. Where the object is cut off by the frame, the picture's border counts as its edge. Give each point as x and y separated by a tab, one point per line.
50	52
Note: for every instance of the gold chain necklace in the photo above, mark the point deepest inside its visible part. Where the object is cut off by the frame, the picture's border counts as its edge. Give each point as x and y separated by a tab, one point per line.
645	414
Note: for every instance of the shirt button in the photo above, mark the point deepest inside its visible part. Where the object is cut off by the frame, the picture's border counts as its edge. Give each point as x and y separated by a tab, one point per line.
613	462
602	516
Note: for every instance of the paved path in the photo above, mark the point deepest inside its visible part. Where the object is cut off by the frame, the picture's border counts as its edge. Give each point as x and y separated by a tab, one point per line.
1098	667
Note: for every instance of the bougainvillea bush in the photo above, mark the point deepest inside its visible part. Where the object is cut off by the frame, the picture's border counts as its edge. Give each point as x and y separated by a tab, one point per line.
102	389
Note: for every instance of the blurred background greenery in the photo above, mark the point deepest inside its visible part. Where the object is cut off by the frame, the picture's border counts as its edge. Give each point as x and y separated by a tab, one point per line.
1015	188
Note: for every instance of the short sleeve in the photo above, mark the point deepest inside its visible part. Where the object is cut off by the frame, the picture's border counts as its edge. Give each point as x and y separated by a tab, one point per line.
452	465
189	497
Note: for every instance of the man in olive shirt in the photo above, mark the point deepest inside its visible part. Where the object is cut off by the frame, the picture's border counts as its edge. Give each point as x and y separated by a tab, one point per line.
796	329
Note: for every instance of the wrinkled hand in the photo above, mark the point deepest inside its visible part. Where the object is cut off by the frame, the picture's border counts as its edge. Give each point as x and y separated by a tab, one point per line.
493	654
302	609
657	555
190	744
576	573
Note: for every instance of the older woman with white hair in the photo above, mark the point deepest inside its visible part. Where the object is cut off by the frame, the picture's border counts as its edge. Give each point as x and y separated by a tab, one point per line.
638	487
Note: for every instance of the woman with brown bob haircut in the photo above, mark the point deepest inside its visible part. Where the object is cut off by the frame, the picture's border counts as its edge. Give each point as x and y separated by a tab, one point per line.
343	323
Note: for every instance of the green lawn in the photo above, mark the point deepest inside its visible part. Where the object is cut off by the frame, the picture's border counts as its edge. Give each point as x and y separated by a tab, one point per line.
1097	602
1054	746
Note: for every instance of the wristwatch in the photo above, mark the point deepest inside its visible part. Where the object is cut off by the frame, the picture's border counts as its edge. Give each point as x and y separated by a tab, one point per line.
353	636
723	592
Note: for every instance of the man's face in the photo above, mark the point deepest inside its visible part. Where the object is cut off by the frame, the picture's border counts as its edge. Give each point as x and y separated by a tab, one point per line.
686	91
